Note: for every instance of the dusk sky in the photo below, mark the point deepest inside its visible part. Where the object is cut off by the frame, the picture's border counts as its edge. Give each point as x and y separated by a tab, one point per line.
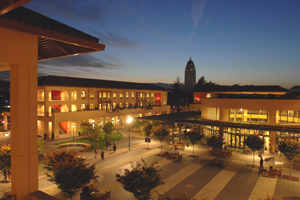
230	41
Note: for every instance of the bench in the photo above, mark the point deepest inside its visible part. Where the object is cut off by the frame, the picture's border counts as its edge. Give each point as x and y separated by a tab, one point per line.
84	146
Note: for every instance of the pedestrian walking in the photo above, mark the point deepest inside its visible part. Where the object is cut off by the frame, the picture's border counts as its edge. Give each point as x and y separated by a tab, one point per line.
96	152
107	144
102	156
261	161
115	147
5	176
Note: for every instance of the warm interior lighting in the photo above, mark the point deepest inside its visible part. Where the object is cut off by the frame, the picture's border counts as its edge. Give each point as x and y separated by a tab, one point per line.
129	120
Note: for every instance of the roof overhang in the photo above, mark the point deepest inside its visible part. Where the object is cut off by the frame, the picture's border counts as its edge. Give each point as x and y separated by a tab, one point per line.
186	118
53	44
8	5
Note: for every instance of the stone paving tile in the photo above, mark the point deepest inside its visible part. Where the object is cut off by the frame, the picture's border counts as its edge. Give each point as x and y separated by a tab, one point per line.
241	184
214	187
196	181
176	178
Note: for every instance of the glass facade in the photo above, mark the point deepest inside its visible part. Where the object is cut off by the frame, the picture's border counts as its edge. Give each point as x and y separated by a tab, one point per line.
287	116
248	116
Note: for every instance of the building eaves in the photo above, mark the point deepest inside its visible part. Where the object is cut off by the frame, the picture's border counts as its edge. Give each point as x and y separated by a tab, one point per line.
96	83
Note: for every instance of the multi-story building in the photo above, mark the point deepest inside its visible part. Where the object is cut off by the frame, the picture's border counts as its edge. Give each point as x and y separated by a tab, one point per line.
269	111
65	102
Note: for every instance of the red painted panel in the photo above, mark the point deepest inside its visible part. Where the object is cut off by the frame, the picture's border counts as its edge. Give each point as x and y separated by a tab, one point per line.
64	126
198	97
55	95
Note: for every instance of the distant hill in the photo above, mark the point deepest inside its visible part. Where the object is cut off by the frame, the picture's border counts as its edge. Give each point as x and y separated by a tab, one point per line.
166	85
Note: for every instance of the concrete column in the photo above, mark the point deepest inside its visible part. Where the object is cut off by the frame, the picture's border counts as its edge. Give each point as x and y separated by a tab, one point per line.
5	122
272	121
179	132
24	153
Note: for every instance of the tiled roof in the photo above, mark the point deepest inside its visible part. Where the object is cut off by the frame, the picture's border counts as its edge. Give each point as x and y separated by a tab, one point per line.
245	88
29	17
83	82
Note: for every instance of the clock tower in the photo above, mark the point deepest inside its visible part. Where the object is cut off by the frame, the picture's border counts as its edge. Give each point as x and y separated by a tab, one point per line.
190	75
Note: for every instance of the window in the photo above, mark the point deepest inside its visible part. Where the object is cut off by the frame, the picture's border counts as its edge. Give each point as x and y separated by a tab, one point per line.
73	95
132	104
151	94
132	94
121	94
92	106
126	104
147	95
55	95
82	94
165	95
114	95
92	95
114	105
100	95
104	106
41	109
120	105
41	95
126	94
108	95
82	106
141	95
104	94
100	106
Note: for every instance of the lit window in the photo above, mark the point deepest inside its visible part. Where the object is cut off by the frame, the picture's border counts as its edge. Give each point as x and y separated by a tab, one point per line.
82	94
108	95
114	105
100	95
165	95
114	95
151	94
104	106
126	104
92	95
73	96
121	94
104	94
91	106
141	95
100	106
82	107
208	95
132	94
126	94
132	104
120	105
147	95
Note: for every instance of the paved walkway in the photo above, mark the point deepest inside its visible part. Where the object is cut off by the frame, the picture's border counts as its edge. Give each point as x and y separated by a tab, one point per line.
197	176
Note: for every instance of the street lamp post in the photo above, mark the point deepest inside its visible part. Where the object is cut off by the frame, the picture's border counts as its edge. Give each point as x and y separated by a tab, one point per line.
129	120
73	131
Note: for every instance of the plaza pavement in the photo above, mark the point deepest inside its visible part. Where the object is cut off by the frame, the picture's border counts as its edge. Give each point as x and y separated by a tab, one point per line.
198	176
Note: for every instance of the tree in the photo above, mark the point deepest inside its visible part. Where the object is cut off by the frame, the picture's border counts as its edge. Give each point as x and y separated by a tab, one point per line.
203	85
5	158
108	128
290	149
254	142
41	146
141	179
68	171
85	128
194	137
177	97
146	129
161	133
216	142
96	134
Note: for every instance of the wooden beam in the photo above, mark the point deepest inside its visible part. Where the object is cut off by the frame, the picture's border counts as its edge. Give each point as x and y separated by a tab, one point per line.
13	5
